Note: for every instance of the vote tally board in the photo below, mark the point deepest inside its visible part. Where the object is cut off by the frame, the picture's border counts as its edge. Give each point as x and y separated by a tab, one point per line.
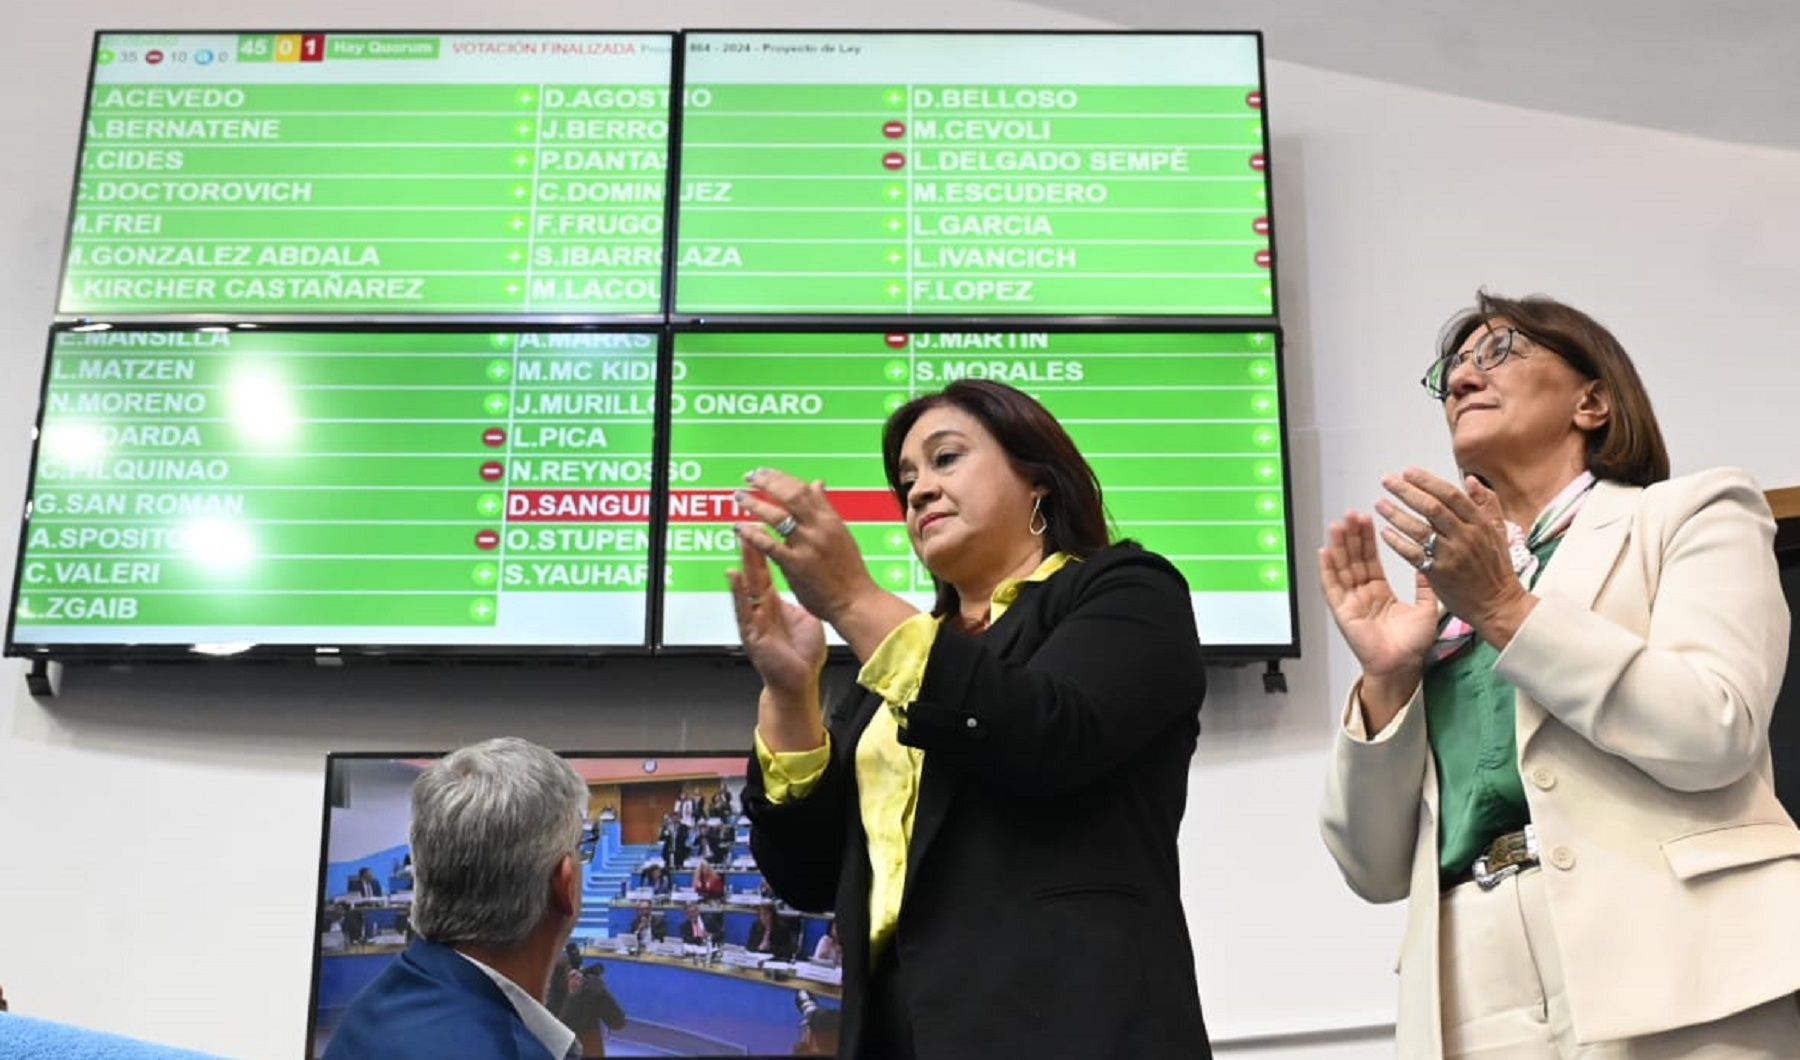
431	342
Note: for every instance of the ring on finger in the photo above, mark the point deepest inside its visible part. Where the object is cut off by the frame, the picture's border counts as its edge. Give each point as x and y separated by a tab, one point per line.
1424	564
787	525
753	601
1430	544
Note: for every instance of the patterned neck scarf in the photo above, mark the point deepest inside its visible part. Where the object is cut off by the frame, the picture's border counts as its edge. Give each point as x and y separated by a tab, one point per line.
1521	546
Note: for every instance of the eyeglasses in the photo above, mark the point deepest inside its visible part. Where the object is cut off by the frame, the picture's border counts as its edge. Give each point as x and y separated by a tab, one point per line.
1488	354
589	843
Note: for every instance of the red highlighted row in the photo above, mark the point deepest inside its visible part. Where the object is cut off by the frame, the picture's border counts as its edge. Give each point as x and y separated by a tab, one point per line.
685	506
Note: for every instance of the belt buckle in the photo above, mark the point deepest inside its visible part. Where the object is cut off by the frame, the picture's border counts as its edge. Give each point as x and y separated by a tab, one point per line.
1488	879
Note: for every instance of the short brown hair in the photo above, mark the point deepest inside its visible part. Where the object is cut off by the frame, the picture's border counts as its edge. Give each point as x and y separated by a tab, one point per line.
1629	446
1036	446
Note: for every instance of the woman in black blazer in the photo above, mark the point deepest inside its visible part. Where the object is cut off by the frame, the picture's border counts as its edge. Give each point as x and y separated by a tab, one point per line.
1015	761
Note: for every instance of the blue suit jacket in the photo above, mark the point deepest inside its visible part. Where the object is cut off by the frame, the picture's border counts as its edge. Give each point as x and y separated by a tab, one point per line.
429	1004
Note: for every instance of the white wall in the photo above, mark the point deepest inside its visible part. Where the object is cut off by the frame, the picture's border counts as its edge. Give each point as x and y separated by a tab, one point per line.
1391	206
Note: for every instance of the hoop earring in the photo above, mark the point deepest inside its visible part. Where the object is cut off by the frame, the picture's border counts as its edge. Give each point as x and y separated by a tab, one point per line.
1038	523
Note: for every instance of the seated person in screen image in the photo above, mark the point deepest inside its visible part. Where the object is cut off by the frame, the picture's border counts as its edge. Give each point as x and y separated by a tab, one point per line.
724	837
365	884
658	880
579	997
1056	678
646	925
721	804
770	935
1558	751
498	863
828	951
696	930
708	883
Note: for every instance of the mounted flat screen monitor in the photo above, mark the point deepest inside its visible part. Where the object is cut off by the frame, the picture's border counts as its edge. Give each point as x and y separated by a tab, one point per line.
417	174
740	991
973	174
1183	430
222	490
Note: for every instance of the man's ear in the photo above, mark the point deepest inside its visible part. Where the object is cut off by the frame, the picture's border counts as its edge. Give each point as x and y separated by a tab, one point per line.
563	898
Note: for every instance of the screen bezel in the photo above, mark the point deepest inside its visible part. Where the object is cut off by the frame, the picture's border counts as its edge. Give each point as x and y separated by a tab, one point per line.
314	650
1222	653
332	758
984	320
622	321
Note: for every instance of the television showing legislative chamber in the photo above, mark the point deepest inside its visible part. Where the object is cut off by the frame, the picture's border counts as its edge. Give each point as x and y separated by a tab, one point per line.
677	926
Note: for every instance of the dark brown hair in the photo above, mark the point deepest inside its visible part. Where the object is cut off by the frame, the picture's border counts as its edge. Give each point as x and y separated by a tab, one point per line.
1036	446
1628	447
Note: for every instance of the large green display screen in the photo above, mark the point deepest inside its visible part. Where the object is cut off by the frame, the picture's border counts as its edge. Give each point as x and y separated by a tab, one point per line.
986	174
1182	430
310	174
237	488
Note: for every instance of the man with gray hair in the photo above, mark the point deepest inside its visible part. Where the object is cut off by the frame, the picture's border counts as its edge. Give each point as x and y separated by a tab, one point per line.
498	848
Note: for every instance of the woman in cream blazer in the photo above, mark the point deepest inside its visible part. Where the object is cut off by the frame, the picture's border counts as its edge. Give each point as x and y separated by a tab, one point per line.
1650	904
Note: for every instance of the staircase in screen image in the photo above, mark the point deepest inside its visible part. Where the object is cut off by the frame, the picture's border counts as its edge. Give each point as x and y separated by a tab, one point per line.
608	878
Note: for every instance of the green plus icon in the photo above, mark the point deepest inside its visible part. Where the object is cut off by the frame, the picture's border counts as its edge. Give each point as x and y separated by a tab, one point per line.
488	504
893	224
515	255
896	539
484	575
1259	338
896	574
893	401
1269	540
499	371
894	290
894	98
525	128
895	370
894	256
1272	576
516	223
1268	504
520	191
512	288
494	404
521	160
1266	470
1261	369
896	191
500	340
482	610
105	56
1263	403
1264	438
526	97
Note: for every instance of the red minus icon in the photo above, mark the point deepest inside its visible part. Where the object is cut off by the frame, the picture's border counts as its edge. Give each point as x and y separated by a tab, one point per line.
1258	163
492	471
894	130
893	160
896	341
487	539
493	436
1262	259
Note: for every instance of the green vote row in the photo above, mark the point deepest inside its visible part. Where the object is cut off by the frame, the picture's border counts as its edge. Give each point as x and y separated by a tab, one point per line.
1246	291
951	129
184	555
964	100
865	213
475	507
257	100
944	163
318	290
238	610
